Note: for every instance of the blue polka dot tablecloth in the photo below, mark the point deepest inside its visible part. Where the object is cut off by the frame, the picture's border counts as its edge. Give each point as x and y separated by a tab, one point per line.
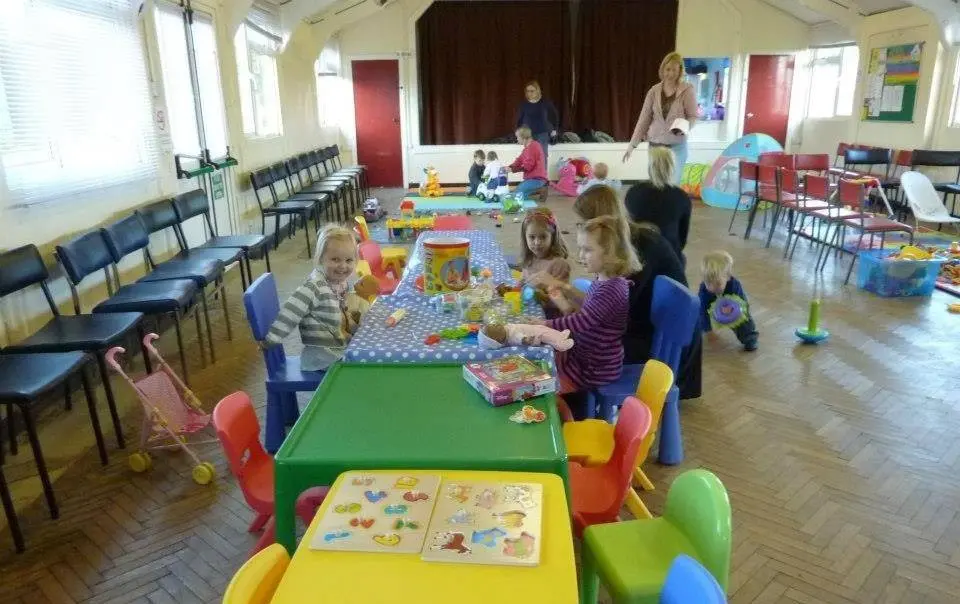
374	342
484	253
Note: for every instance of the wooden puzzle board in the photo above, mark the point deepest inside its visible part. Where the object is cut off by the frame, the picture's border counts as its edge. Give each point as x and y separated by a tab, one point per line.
486	523
378	513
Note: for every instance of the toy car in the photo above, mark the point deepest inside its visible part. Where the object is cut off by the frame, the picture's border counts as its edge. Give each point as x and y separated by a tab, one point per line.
495	188
372	211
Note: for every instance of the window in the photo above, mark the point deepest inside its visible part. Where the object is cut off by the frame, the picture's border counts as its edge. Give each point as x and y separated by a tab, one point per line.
332	91
76	114
833	78
954	113
182	108
257	43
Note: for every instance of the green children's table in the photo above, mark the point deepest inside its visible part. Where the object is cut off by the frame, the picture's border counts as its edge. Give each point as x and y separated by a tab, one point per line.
407	417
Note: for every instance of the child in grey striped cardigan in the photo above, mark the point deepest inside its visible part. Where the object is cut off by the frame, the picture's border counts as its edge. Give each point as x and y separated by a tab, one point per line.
325	308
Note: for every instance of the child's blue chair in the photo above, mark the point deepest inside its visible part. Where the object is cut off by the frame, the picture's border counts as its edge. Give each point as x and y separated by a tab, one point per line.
675	313
583	284
688	582
284	376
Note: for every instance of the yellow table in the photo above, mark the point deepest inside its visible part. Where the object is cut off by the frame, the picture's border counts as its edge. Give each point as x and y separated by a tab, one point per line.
358	577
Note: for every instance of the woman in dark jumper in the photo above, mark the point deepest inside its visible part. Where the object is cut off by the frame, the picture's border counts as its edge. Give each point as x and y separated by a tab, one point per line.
662	203
540	115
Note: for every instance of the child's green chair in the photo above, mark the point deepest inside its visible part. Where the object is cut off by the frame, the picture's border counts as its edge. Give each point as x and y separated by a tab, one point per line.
632	558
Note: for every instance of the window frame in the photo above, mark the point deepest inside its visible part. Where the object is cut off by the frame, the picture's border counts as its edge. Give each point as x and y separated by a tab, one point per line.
251	59
953	118
838	60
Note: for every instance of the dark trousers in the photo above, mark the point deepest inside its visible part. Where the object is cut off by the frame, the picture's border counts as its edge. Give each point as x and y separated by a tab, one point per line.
747	333
474	185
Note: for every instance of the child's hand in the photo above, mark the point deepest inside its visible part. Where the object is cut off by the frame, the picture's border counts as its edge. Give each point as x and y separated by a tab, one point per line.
545	280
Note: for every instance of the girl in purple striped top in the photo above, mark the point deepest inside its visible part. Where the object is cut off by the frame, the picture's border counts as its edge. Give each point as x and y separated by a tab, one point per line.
599	324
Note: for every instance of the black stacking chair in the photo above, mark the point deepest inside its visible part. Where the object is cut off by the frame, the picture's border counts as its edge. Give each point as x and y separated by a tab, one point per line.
321	173
89	253
296	184
11	514
195	203
129	235
24	379
283	185
332	153
23	267
263	180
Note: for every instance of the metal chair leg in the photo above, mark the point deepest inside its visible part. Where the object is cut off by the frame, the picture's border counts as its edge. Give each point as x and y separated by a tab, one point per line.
203	349
12	430
11	514
183	355
226	311
41	464
206	317
266	256
90	395
67	396
736	209
111	402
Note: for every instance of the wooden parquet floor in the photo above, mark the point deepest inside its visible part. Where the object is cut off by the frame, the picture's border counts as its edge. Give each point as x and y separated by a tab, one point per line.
841	460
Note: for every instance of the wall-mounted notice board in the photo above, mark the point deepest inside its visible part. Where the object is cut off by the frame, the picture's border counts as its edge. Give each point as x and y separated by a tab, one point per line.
893	75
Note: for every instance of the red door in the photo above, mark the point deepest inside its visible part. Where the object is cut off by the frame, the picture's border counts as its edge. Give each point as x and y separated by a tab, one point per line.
376	105
769	82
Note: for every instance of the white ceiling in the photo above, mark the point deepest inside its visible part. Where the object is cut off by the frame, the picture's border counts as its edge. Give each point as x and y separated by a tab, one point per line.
811	16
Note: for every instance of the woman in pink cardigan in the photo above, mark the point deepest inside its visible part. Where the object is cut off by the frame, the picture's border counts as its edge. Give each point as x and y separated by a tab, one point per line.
666	102
531	162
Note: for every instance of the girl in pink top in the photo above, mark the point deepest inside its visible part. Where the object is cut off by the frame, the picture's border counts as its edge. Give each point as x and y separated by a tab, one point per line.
531	162
666	102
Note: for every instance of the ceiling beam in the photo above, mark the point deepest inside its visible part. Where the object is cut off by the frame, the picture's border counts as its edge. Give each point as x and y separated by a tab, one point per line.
848	14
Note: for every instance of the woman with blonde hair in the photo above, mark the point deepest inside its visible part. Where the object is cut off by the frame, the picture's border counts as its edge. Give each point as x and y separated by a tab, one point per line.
538	114
661	202
666	102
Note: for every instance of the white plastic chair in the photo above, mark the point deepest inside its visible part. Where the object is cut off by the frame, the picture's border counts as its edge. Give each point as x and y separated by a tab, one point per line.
924	200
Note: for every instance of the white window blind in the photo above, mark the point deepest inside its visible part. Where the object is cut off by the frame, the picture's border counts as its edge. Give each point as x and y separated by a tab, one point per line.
257	43
833	78
75	105
954	114
332	91
178	89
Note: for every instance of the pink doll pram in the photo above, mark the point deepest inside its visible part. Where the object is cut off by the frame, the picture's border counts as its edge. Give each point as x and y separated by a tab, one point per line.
171	413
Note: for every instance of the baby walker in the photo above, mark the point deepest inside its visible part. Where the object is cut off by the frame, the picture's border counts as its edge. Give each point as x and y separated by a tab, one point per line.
171	413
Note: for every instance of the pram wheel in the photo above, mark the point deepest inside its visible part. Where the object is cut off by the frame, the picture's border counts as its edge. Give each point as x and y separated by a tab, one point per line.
203	473
140	462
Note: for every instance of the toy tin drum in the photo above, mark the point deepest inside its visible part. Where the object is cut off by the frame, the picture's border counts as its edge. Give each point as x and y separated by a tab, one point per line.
446	264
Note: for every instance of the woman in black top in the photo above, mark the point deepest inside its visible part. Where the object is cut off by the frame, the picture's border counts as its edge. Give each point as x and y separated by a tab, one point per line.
661	203
657	257
540	115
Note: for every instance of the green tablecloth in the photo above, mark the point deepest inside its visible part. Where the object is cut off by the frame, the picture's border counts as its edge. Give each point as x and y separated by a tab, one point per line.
407	416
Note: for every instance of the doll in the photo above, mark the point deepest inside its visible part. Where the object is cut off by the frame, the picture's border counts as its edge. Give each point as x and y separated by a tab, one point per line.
517	334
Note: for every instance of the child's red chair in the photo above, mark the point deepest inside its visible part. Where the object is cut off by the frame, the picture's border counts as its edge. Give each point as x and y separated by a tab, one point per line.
387	278
239	434
599	492
452	223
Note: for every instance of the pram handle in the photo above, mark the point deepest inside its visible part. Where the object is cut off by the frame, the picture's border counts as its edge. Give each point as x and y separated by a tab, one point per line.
111	357
148	345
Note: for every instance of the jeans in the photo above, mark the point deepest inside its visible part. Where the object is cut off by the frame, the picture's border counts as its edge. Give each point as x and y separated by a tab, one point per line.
529	186
680	159
544	139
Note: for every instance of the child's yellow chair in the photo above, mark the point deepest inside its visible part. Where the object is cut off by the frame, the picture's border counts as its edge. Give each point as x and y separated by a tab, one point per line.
394	258
590	442
259	577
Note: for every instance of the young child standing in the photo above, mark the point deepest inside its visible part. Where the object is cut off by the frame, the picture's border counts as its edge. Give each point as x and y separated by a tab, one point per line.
475	177
600	323
718	280
324	307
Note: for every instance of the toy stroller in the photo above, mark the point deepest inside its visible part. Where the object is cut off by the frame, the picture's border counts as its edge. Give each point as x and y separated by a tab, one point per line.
171	413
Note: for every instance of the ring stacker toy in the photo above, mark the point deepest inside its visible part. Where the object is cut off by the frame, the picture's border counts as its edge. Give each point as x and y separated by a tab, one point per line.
171	413
812	334
396	317
728	311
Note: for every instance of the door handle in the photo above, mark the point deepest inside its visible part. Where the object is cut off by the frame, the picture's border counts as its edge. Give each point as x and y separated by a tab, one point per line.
396	120
749	115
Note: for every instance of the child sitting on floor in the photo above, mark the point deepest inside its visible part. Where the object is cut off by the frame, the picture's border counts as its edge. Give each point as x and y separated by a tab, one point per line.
600	172
718	280
326	310
475	177
597	328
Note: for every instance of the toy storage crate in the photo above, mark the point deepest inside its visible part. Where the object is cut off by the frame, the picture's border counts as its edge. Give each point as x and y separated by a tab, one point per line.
896	278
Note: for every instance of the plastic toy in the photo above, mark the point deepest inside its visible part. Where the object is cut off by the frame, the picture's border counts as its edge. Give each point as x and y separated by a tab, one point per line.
582	166
812	334
396	316
567	183
528	415
431	184
406	230
445	303
495	188
728	311
953	308
171	413
513	301
372	210
432	339
407	208
513	203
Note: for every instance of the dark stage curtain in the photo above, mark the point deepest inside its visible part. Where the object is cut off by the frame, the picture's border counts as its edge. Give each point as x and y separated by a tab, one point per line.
619	46
595	60
474	59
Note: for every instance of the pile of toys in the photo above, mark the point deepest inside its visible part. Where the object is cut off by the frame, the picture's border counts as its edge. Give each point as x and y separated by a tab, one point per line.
494	188
573	171
430	187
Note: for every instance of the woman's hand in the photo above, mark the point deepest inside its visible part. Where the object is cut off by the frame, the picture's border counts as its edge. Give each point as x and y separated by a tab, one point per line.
553	134
627	154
